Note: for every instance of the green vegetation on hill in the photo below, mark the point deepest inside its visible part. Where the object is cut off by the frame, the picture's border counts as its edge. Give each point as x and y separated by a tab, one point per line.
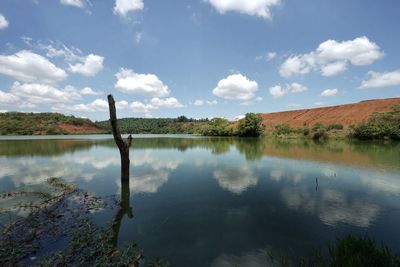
180	125
16	123
384	125
249	126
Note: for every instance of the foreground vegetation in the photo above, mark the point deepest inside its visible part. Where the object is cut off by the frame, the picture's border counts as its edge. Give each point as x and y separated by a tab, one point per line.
17	123
58	212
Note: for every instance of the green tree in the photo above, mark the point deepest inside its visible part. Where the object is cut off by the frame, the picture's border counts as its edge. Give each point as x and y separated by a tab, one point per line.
218	127
250	125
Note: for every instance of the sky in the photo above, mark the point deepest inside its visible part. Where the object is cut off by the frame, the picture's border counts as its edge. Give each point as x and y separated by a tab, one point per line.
198	58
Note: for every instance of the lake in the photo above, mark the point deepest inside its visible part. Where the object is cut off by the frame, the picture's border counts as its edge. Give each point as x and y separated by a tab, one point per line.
201	201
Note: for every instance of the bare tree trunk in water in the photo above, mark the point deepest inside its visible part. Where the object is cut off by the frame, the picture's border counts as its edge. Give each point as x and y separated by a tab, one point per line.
123	146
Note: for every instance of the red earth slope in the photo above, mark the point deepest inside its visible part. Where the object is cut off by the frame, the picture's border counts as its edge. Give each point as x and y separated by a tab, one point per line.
347	114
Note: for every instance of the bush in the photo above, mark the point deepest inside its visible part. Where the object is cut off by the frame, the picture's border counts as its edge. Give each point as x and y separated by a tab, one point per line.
217	127
379	126
306	131
250	126
356	251
335	126
283	129
320	135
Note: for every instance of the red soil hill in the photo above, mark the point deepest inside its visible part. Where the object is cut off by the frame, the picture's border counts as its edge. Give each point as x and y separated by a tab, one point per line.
346	115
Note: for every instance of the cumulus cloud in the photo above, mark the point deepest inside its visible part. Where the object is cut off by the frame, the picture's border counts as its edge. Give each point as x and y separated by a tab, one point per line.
89	66
95	105
170	102
384	79
279	91
123	7
236	87
154	104
148	85
8	98
27	66
3	22
201	102
123	104
333	57
329	92
270	56
89	91
139	107
259	8
76	3
37	93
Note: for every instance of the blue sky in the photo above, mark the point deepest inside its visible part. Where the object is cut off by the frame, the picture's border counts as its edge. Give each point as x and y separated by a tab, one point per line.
199	58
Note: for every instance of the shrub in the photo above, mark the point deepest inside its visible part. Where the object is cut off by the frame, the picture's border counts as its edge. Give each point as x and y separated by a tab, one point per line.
379	126
306	131
217	127
320	135
335	126
283	129
356	251
250	125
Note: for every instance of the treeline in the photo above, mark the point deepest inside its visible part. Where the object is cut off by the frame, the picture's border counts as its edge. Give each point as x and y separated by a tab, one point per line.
249	126
180	125
18	123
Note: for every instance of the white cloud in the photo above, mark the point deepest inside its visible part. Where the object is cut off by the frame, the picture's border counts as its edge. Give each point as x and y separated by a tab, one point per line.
296	88
123	7
270	56
3	22
140	107
27	66
76	3
154	104
332	57
37	93
329	92
279	91
259	8
320	103
385	79
122	104
143	84
89	91
201	102
8	99
95	105
170	102
90	65
99	104
236	87
138	37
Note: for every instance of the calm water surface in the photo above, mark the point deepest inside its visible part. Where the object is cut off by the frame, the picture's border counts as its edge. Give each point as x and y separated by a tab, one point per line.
223	201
